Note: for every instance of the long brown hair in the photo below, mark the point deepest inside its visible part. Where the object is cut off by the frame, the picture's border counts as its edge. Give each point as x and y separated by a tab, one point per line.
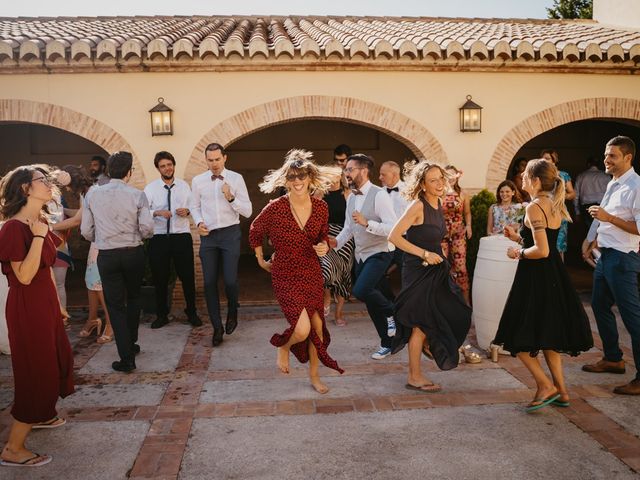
414	173
13	189
456	186
550	183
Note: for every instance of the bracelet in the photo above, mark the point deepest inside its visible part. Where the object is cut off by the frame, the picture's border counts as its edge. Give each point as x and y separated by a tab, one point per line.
522	254
39	236
425	257
521	241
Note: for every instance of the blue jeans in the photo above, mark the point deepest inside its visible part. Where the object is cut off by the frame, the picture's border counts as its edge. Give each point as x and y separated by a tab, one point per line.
367	288
615	281
220	248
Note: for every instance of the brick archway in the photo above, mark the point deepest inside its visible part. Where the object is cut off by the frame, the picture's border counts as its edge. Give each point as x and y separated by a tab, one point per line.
319	107
73	122
545	120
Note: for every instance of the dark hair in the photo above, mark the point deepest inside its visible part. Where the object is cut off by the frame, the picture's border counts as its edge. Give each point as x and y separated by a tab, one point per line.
12	193
625	144
512	186
362	160
214	146
516	162
163	156
342	149
119	164
593	162
551	152
100	159
80	179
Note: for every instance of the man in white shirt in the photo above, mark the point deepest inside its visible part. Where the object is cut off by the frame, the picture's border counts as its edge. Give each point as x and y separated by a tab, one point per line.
393	185
615	279
219	198
169	200
590	187
368	220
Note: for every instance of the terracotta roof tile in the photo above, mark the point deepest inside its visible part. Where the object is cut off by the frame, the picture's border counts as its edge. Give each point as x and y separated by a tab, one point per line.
89	42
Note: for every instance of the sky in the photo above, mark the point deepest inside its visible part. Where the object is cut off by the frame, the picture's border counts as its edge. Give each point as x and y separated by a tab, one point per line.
428	8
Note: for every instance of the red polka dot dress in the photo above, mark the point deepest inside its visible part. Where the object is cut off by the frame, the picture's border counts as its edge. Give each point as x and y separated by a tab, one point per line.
296	275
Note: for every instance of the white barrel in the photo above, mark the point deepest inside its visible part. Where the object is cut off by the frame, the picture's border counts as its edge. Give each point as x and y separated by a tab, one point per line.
492	281
4	334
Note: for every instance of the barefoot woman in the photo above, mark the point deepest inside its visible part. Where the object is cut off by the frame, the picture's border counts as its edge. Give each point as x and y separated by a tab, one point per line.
40	352
296	224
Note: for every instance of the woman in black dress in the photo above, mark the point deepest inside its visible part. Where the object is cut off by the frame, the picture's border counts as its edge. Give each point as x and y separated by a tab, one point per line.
431	314
543	311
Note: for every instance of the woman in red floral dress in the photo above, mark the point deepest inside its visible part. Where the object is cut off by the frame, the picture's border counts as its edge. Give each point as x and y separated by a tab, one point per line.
40	352
297	227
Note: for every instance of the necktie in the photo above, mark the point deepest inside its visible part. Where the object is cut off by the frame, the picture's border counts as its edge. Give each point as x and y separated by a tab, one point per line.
394	189
355	191
168	188
216	177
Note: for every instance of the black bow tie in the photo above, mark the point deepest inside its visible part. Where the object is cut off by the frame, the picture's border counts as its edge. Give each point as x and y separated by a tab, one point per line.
394	189
355	191
215	177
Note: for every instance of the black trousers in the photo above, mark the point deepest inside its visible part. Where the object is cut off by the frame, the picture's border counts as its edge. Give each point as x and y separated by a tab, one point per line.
121	271
176	247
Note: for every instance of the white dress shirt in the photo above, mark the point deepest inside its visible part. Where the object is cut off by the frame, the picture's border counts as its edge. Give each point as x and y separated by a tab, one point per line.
399	202
209	204
383	208
158	195
621	199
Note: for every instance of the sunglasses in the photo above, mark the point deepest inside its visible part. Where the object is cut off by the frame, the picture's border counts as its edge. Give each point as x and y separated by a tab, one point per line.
45	180
300	176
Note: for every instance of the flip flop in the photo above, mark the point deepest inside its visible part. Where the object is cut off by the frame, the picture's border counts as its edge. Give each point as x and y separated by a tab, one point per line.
25	463
560	403
53	423
544	402
430	388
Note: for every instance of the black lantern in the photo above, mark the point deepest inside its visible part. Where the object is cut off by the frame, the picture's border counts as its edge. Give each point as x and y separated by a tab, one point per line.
161	120
470	116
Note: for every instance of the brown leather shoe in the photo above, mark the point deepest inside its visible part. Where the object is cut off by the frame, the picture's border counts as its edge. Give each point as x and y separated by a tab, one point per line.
631	388
605	366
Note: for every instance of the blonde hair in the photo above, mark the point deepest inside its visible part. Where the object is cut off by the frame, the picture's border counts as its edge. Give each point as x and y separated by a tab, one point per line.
551	183
298	160
414	173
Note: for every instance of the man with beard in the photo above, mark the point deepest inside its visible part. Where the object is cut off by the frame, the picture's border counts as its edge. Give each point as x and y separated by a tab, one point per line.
340	154
368	220
169	200
97	168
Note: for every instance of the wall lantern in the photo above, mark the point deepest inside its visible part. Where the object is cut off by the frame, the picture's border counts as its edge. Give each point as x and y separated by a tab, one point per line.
470	116
161	121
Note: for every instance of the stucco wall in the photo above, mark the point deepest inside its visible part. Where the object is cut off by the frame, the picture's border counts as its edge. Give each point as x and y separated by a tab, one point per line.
203	100
621	13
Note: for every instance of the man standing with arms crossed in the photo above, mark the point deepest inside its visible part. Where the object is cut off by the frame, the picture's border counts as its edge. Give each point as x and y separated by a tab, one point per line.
116	217
219	198
169	200
615	280
368	220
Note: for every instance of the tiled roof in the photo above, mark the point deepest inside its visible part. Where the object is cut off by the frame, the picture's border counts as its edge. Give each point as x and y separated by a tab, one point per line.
179	42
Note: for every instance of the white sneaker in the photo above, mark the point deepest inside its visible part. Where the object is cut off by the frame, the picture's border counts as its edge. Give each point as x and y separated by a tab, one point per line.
383	352
391	327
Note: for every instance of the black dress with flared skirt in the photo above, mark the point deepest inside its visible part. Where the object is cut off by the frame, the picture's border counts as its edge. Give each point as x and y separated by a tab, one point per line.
430	299
543	310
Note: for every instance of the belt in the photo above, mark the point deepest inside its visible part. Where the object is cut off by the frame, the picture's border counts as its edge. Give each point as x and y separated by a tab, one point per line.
119	249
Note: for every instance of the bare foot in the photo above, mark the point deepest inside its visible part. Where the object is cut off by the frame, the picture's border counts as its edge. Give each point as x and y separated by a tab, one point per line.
543	393
283	360
318	385
17	456
419	381
339	321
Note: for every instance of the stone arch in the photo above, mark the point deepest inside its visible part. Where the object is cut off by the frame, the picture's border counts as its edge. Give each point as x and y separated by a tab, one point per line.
318	107
73	122
545	120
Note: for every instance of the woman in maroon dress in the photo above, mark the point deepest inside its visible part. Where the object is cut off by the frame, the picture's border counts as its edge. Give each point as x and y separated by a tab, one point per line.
297	226
41	355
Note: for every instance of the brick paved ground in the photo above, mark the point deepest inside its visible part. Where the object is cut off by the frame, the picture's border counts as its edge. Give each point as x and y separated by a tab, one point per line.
190	411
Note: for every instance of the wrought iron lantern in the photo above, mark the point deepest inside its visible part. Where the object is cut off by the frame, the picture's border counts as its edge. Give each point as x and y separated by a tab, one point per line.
161	119
470	116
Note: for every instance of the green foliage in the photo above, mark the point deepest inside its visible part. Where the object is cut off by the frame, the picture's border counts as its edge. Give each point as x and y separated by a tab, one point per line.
568	9
480	204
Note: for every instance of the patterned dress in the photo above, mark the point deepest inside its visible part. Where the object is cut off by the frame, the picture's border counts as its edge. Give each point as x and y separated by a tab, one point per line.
564	226
503	216
454	246
337	264
296	275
